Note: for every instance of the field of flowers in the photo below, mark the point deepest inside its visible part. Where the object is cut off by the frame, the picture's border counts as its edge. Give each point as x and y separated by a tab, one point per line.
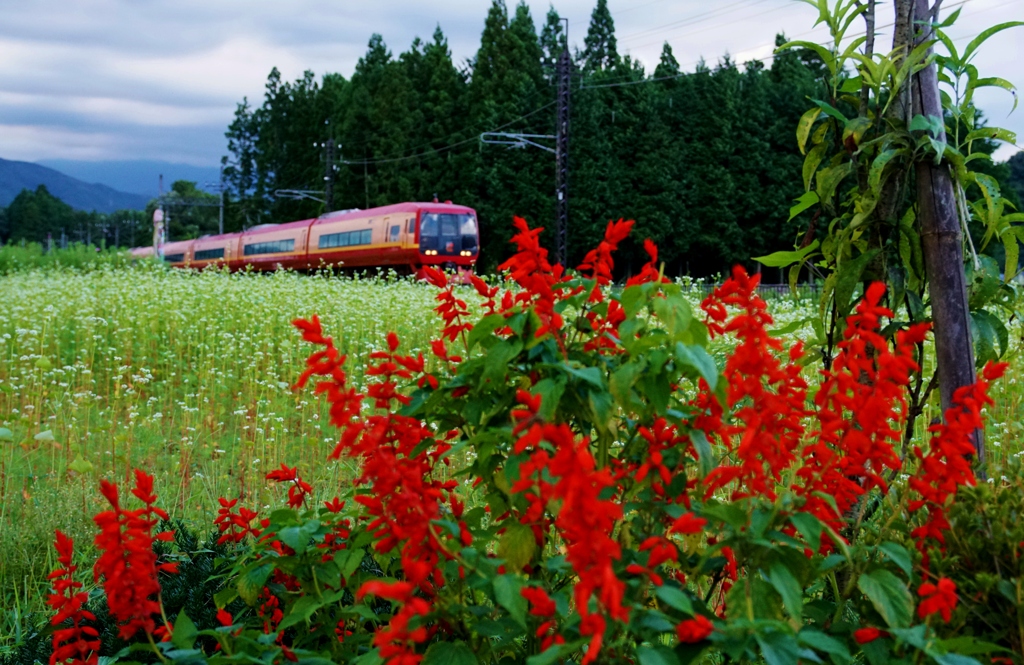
188	376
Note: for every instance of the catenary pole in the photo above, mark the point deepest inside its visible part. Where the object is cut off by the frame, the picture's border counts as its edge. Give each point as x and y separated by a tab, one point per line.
564	70
329	177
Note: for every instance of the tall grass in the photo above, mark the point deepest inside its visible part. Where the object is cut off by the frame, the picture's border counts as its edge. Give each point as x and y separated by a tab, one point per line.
76	256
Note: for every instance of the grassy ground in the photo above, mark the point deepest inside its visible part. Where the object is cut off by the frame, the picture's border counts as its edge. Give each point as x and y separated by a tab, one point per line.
187	376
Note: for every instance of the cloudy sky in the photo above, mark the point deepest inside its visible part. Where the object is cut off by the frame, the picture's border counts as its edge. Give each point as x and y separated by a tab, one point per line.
159	79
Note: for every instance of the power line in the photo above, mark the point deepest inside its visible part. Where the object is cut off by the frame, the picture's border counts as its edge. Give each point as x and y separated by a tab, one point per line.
368	162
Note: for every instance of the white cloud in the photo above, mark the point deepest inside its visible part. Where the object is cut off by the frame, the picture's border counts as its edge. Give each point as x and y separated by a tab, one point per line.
146	78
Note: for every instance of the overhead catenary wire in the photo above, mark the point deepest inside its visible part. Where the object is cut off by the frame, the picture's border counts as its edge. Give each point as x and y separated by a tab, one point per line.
385	160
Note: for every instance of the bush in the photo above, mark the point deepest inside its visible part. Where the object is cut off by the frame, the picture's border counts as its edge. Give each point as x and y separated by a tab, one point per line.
572	478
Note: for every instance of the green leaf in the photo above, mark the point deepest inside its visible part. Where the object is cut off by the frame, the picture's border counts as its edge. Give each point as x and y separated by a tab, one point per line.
80	465
831	110
806	200
878	167
517	546
779	648
811	163
889	595
694	356
898	555
185	632
985	34
657	655
252	581
507	594
847	279
827	180
704	453
675	598
483	329
809	527
45	435
449	653
783	259
822	642
970	646
302	610
927	123
783	581
855	129
43	363
621	382
803	127
955	659
550	391
6	434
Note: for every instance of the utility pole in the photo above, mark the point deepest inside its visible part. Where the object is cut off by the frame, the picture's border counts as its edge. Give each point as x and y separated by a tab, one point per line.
563	73
220	220
329	177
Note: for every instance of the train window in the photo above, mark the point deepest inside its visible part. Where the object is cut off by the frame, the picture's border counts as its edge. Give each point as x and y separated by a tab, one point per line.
448	225
346	239
174	258
209	254
271	247
393	235
411	226
468	226
429	225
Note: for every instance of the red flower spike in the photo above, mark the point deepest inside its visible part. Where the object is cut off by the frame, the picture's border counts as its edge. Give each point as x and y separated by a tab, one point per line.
768	395
946	466
77	644
127	564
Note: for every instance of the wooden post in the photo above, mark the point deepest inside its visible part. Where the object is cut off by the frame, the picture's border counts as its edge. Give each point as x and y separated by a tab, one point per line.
943	245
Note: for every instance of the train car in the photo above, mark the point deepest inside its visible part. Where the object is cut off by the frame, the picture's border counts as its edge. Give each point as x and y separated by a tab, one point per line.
404	236
268	246
215	250
178	254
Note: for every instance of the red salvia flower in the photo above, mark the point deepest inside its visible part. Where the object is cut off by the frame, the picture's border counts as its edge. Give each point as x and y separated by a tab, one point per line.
694	630
767	396
542	283
861	406
298	490
598	262
127	564
947	464
234	527
939	598
75	644
868	634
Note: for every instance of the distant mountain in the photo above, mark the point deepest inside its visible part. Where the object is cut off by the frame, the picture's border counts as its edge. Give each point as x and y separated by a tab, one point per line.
16	176
139	176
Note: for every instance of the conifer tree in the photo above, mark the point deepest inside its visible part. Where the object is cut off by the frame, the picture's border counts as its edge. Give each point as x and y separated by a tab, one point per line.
599	47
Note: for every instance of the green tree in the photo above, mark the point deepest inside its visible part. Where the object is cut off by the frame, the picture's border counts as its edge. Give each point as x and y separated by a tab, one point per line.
599	46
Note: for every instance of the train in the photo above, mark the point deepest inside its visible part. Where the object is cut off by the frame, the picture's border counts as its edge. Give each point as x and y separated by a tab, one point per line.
403	236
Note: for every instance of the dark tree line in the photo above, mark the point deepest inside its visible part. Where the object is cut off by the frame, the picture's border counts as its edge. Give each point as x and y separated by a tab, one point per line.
705	161
39	216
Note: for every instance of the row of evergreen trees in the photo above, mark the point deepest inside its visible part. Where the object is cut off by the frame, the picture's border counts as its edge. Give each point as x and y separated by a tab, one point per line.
705	162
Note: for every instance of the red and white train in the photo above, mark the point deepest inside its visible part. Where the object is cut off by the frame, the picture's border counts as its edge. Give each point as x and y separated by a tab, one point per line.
404	236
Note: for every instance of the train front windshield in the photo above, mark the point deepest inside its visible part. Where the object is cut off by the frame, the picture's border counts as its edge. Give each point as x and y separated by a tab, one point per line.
448	234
